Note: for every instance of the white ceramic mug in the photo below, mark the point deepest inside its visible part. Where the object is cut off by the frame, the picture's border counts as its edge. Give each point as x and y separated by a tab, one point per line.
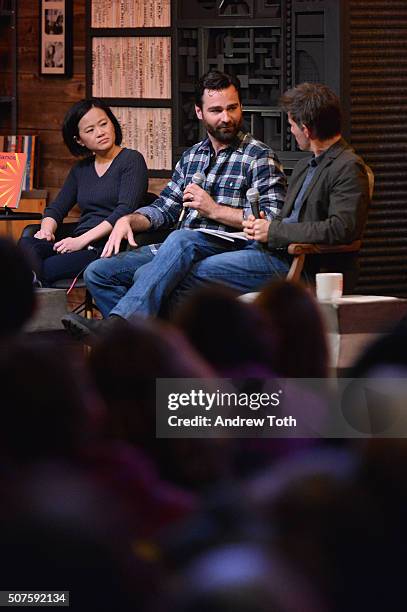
329	285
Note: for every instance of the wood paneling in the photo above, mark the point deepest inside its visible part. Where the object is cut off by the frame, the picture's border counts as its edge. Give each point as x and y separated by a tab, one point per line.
43	101
378	102
156	185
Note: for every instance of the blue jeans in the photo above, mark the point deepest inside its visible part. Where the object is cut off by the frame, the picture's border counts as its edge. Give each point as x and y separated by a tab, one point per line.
139	282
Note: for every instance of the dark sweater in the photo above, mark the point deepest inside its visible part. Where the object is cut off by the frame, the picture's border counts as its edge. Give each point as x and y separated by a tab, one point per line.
107	198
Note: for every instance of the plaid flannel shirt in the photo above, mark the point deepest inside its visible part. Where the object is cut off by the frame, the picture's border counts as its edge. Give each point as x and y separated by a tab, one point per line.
244	164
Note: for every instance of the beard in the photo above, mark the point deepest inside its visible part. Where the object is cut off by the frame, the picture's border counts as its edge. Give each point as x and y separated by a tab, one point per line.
224	133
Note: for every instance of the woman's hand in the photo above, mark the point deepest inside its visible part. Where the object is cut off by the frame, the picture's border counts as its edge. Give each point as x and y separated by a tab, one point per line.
44	234
47	230
69	245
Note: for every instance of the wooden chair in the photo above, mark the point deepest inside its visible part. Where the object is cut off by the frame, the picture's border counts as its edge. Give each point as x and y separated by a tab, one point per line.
299	251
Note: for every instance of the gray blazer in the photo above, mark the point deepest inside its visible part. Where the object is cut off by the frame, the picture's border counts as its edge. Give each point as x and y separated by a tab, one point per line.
335	204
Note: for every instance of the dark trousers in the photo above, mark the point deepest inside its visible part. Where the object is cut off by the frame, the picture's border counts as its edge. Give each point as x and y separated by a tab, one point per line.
51	266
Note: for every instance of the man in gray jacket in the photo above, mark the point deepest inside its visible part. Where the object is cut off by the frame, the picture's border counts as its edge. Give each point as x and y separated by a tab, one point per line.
328	194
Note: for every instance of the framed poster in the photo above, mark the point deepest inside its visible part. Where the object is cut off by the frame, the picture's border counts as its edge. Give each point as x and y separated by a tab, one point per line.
56	37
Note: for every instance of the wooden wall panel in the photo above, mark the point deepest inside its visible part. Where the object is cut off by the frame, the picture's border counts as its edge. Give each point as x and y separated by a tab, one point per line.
43	101
378	103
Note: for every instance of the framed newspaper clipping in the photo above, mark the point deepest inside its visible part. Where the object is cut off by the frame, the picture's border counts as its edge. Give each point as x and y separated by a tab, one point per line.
132	67
149	130
129	60
131	13
56	37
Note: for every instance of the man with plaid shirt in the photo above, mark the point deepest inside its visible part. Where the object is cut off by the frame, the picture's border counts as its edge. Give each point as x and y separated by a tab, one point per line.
141	280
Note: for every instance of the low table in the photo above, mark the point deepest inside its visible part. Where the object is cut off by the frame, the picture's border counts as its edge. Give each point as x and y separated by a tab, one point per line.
355	321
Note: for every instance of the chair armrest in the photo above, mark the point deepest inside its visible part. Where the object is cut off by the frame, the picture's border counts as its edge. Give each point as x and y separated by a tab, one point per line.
153	237
149	198
300	248
63	230
30	230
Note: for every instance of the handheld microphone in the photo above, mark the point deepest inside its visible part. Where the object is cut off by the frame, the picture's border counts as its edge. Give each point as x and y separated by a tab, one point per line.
253	196
197	179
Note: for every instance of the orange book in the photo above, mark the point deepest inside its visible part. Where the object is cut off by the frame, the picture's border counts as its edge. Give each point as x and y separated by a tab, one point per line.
12	170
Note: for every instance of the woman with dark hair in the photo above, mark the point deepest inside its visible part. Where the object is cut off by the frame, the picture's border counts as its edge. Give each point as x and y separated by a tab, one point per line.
108	183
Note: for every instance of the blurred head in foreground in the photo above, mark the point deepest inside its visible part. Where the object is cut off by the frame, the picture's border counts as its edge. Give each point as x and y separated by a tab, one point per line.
301	345
18	301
